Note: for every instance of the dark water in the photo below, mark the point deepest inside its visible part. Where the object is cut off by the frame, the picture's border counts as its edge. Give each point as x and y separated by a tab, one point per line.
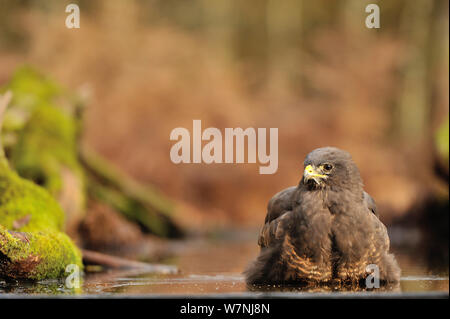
215	267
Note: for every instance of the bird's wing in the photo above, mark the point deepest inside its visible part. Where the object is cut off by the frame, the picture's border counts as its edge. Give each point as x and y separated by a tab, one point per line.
370	203
380	229
278	210
279	204
381	237
274	231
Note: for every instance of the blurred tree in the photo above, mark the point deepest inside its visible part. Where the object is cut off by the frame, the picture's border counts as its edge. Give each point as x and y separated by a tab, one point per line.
284	29
413	108
218	23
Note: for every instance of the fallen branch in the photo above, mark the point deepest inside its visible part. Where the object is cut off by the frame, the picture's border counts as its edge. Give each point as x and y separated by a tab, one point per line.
108	261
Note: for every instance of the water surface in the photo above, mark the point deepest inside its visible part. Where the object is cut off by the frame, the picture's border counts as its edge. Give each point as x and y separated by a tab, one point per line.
214	268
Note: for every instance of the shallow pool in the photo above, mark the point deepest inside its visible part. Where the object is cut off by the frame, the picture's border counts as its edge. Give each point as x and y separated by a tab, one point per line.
213	267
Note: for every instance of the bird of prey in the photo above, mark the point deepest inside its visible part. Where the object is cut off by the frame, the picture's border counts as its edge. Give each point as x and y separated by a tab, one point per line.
324	230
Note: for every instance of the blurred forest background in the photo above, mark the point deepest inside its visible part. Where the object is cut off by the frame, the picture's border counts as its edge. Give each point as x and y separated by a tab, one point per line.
310	68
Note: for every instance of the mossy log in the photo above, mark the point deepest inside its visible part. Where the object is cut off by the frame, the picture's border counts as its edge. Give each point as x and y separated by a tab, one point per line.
42	129
41	133
32	243
46	153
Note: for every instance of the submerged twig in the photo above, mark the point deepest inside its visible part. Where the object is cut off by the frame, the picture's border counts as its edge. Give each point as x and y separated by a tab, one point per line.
92	257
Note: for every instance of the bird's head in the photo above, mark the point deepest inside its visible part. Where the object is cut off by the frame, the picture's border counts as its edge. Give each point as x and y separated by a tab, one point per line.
331	168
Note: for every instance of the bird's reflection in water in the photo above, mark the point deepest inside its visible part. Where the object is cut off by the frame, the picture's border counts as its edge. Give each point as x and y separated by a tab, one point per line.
325	288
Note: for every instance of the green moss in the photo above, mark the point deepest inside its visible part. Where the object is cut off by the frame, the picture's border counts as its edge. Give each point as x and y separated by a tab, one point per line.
30	87
40	137
46	145
41	250
36	256
20	198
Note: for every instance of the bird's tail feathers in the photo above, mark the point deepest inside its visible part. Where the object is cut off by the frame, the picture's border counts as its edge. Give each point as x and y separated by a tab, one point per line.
391	271
265	268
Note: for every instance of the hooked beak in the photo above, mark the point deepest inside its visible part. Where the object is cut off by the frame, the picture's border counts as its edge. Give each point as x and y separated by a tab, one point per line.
311	173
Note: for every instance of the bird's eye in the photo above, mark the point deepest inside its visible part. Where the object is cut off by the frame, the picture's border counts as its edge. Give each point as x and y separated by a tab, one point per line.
327	167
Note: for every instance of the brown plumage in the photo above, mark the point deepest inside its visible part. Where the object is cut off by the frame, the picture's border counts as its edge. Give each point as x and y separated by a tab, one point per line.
325	229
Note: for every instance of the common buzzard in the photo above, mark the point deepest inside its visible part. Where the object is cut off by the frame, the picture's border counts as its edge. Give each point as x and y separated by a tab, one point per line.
326	229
